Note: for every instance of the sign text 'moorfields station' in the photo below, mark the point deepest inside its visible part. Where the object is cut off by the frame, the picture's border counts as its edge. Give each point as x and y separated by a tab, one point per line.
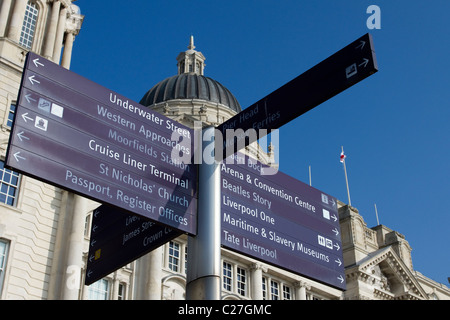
76	134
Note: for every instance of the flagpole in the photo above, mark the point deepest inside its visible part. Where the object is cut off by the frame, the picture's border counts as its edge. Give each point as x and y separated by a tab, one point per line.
346	179
376	213
310	176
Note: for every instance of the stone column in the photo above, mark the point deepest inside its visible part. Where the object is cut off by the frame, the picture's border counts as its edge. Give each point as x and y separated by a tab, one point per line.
4	13
75	240
59	35
51	33
300	290
115	287
154	285
17	17
256	280
67	54
148	276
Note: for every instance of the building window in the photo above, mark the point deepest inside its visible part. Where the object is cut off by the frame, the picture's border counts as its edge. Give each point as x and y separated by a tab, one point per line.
3	259
264	288
11	115
227	276
9	185
121	291
241	281
234	278
185	259
29	25
278	289
99	290
87	225
274	290
174	256
286	292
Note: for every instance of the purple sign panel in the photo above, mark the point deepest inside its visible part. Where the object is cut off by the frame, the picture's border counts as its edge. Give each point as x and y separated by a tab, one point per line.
78	135
280	220
338	72
118	238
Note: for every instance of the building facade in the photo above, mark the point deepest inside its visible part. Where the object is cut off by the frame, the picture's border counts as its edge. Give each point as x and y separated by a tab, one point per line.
44	230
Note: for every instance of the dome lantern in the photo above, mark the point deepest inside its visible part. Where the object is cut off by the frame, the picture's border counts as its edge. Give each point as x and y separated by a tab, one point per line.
191	61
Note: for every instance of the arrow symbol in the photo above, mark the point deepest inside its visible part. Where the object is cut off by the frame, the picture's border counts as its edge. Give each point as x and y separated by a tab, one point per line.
336	245
339	262
93	242
340	278
37	63
17	157
361	44
21	136
94	227
24	116
29	99
336	231
89	273
334	218
32	80
96	212
333	203
365	62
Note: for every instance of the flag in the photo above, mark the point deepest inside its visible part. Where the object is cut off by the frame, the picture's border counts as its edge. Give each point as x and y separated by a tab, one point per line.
343	156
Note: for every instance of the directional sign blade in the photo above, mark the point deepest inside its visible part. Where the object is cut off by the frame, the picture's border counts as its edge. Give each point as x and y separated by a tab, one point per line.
333	75
118	238
80	136
281	221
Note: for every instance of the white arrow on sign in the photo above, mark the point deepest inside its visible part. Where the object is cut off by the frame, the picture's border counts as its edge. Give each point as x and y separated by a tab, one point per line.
25	117
21	136
334	217
94	227
336	231
340	278
333	203
361	45
336	245
37	63
29	98
365	62
17	157
93	242
338	261
33	80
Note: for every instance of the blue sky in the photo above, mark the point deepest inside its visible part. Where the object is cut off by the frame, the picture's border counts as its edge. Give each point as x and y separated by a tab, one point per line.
394	125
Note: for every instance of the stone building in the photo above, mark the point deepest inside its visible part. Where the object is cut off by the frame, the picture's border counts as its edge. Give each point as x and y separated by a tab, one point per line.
44	230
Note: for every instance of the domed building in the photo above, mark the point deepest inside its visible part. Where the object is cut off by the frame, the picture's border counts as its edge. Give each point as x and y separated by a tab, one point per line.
190	96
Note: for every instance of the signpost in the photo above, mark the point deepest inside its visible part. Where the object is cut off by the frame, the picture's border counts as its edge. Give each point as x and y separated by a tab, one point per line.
78	135
281	221
333	75
118	238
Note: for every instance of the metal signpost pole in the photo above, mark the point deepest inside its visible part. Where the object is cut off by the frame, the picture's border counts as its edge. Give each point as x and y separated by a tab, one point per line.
203	271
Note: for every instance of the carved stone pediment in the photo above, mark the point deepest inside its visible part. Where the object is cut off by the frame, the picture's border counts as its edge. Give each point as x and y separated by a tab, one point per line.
382	275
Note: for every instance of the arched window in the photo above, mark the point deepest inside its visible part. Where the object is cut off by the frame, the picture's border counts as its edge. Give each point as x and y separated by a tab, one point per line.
29	25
